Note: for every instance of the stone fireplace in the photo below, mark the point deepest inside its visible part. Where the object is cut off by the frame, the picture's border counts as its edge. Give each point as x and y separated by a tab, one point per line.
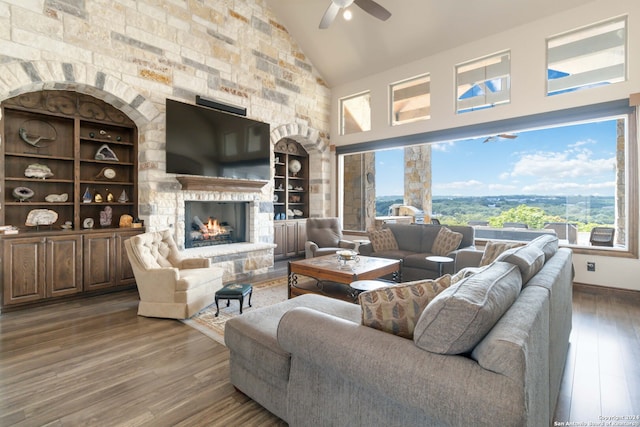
209	223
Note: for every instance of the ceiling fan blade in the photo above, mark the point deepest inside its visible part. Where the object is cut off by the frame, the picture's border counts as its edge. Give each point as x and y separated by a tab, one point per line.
374	9
329	16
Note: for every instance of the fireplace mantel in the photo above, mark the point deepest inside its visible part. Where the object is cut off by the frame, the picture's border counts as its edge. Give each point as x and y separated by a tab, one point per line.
205	183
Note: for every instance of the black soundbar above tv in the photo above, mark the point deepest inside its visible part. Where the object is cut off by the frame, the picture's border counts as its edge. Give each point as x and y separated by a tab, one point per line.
204	141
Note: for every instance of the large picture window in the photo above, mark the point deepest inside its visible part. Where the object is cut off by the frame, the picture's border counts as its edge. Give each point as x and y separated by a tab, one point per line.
588	57
576	180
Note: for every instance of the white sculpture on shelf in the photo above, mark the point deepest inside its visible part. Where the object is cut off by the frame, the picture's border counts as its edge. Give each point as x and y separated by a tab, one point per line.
41	217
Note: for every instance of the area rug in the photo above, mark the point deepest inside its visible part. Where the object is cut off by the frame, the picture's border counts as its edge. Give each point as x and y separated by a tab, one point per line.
265	294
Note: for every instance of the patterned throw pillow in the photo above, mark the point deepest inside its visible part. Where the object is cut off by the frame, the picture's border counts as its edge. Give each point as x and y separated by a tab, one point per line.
396	309
383	240
493	249
446	241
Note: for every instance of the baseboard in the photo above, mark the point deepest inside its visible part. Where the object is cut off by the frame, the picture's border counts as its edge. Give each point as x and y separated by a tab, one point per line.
607	291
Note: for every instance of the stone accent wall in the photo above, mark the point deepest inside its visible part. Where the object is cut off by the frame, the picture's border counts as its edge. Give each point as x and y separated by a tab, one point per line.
359	204
134	54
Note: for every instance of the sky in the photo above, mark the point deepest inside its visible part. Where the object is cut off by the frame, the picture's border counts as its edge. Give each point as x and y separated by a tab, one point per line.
570	160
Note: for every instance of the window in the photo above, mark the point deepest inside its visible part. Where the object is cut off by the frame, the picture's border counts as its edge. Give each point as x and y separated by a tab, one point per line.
571	179
483	83
355	113
588	57
411	100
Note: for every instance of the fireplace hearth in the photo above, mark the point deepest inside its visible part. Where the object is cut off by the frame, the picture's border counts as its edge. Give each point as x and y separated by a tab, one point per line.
215	223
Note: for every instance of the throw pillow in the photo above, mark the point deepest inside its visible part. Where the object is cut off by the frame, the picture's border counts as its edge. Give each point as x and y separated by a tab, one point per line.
461	315
493	249
396	309
383	240
446	242
547	244
529	259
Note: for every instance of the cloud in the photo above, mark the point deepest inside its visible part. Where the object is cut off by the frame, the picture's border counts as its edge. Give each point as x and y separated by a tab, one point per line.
459	185
546	187
442	147
502	187
581	143
558	166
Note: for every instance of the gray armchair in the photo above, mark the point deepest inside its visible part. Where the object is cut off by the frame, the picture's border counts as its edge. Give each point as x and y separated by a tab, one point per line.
324	237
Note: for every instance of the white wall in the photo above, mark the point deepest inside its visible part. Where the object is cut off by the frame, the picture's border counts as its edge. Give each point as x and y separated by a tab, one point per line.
528	74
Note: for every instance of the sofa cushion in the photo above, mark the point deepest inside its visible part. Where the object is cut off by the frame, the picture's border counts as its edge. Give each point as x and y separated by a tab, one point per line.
429	235
408	236
494	248
383	240
461	315
446	242
395	309
529	259
547	243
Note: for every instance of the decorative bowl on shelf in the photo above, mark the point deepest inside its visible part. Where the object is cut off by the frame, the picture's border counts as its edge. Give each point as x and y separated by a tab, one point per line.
294	166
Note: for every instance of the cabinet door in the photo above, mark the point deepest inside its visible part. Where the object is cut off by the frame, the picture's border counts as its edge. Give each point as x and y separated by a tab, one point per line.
292	238
63	265
279	238
23	270
123	267
99	261
302	236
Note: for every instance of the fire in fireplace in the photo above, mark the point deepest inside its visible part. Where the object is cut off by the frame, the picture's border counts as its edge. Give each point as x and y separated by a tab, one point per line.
215	223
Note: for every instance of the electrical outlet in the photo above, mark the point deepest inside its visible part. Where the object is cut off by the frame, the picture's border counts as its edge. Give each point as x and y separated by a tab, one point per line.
591	266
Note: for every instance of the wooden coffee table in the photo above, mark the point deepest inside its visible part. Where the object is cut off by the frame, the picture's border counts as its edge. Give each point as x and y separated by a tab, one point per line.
327	270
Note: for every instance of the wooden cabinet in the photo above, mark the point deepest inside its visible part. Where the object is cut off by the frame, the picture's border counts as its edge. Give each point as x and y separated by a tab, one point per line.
49	266
35	268
290	237
71	158
106	264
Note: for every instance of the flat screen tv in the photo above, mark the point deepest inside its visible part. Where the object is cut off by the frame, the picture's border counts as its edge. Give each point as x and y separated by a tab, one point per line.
207	142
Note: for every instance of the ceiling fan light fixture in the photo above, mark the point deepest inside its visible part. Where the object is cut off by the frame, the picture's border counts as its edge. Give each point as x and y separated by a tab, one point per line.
347	14
342	3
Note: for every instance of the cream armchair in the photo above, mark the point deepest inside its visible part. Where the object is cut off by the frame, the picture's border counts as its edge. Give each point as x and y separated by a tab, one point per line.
170	285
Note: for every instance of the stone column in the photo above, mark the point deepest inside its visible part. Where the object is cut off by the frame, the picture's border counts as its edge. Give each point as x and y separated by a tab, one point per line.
417	178
359	203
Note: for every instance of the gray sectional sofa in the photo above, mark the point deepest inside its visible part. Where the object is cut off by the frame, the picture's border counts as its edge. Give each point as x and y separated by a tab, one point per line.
310	361
415	242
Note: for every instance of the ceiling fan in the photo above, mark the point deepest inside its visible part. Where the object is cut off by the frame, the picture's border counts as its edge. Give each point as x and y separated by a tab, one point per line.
369	6
502	135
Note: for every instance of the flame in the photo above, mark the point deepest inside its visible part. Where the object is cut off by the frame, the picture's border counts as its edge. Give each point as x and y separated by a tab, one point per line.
213	228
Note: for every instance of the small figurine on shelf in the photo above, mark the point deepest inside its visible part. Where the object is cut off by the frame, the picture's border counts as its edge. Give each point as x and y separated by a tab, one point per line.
123	197
87	197
106	217
110	197
97	197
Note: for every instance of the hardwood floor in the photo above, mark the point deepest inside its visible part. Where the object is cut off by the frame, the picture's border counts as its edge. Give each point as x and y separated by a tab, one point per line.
602	374
95	362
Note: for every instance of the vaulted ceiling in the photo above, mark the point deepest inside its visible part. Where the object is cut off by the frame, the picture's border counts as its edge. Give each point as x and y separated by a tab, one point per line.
349	50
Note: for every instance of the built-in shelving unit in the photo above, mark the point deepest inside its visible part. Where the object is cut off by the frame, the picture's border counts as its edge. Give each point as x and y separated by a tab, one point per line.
291	181
84	154
291	198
